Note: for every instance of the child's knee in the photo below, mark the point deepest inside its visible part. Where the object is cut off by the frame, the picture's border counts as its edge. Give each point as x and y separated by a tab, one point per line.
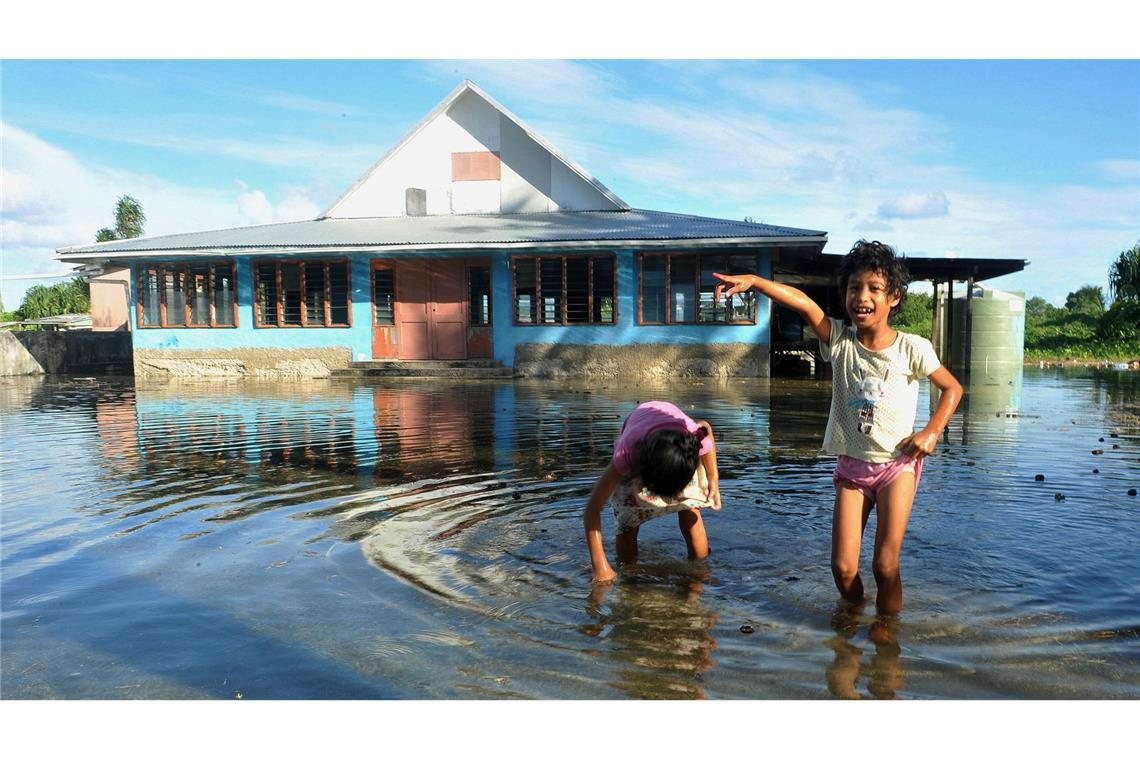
844	570
885	567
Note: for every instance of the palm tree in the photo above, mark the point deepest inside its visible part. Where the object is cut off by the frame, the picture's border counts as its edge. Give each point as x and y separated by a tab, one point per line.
1124	275
129	220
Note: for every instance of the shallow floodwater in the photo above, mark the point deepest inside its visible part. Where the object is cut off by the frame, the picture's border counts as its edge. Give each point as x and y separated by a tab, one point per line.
420	540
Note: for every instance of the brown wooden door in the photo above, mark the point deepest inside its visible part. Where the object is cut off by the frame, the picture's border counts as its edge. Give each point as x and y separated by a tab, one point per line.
413	320
448	309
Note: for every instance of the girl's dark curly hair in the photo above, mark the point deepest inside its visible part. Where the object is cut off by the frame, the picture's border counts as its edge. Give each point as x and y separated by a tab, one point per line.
876	257
667	459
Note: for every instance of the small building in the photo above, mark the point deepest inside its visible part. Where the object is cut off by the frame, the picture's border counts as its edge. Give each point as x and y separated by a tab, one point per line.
472	239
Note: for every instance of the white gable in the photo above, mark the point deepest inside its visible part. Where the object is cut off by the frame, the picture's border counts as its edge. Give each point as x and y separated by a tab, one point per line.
515	170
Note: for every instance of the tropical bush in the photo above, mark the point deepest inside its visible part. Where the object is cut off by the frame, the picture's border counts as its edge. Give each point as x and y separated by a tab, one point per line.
71	297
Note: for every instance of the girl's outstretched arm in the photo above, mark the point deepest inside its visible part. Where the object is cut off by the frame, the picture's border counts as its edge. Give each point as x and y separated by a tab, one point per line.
604	488
785	295
923	442
709	462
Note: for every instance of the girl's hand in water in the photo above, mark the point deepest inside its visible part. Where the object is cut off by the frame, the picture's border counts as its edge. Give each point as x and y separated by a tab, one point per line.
920	444
737	283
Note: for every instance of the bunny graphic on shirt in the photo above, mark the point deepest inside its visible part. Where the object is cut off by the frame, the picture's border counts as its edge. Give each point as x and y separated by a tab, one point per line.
868	392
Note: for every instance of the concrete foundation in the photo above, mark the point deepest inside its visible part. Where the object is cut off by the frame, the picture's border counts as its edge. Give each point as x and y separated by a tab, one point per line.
250	362
650	361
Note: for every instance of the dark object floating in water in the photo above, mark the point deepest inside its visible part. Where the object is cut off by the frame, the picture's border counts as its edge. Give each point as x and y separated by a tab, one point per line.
971	463
1116	445
1131	491
1058	497
1098	451
792	578
747	629
1100	440
516	496
759	501
1113	435
1039	477
1095	471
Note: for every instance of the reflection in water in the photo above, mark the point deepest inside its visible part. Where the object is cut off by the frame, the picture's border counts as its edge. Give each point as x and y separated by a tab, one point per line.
884	673
659	635
364	530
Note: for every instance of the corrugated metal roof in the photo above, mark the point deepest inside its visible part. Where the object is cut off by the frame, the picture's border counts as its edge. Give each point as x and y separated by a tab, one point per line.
460	231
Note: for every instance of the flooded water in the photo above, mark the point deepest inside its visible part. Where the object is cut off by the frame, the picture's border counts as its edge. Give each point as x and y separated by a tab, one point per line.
412	540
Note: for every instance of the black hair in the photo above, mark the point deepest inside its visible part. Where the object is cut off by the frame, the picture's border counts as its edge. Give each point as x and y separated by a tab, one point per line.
876	257
667	459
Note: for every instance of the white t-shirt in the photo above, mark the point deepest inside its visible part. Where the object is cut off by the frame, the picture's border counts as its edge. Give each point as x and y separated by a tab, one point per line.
874	394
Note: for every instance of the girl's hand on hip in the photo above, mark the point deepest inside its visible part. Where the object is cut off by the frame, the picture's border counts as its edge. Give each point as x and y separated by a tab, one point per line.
919	445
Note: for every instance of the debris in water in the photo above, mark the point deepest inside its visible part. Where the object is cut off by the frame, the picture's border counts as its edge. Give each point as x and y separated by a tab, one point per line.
516	496
1096	471
1098	452
1131	491
1039	477
747	629
1058	497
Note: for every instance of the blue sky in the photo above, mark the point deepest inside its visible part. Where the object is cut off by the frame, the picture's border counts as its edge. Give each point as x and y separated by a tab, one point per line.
969	158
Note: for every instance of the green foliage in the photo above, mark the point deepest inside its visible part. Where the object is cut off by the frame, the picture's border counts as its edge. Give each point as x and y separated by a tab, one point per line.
1086	300
72	297
129	221
1121	322
1039	307
1069	333
915	316
1124	275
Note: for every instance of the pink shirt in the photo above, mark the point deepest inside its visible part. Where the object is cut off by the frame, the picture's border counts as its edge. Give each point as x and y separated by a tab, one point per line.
649	418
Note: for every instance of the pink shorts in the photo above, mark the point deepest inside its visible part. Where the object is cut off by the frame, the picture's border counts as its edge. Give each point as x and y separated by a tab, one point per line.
871	477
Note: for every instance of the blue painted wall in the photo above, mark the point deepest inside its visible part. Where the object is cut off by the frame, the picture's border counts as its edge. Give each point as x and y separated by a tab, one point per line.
626	331
507	335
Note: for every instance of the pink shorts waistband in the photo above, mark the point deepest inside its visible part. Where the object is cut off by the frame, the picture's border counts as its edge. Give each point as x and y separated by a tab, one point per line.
872	477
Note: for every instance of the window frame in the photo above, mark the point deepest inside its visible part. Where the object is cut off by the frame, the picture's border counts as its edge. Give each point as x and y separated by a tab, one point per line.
388	266
482	264
279	322
184	271
562	258
696	284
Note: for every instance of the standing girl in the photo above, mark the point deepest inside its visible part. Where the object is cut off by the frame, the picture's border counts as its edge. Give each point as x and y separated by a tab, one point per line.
663	462
874	399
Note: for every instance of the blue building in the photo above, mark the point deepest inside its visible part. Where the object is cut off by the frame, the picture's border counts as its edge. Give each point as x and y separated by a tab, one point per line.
472	239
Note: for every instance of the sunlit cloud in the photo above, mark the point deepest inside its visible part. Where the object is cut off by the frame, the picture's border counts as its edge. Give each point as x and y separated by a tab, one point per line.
915	206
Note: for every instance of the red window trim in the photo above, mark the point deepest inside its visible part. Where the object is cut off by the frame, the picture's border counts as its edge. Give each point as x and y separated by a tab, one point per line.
668	256
258	322
160	270
538	289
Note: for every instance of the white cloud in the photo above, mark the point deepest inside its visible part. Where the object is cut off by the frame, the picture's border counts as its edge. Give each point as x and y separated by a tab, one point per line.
1126	169
52	199
256	208
915	206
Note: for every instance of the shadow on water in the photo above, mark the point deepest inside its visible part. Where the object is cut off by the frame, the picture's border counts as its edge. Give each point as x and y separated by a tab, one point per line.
326	539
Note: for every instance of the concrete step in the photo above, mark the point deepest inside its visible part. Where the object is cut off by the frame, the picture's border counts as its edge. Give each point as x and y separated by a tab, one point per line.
423	364
462	373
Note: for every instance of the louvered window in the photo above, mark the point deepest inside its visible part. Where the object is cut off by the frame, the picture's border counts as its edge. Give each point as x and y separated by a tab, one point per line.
564	290
302	294
678	288
186	295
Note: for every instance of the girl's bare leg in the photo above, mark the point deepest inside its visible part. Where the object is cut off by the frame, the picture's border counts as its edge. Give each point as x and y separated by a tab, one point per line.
852	509
895	502
693	529
627	545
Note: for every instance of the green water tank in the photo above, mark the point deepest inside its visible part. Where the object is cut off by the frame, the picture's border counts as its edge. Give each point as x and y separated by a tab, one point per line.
992	372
